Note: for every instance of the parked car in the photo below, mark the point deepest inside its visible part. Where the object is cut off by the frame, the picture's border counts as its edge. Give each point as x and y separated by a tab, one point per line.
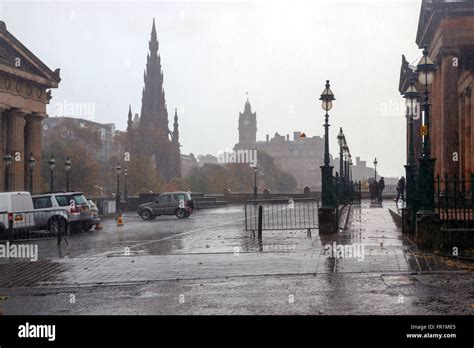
18	207
94	213
168	203
72	206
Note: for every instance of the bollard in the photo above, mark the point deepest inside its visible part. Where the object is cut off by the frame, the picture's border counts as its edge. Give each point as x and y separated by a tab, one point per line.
119	219
260	215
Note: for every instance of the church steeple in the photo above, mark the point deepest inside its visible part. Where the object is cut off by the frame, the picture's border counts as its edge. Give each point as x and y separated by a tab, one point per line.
175	135
154	114
130	121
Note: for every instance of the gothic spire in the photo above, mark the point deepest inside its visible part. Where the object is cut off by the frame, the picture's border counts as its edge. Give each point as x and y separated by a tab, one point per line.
130	121
175	136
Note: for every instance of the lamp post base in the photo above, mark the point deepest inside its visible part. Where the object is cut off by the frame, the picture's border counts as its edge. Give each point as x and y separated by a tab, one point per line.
327	220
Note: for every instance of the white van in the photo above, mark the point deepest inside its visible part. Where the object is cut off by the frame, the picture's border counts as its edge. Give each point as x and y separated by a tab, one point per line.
17	206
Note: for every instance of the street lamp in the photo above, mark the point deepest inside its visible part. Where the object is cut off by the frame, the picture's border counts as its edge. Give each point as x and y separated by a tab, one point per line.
125	190
31	167
52	166
411	98
326	98
8	159
341	141
255	170
117	196
375	166
425	70
350	167
67	166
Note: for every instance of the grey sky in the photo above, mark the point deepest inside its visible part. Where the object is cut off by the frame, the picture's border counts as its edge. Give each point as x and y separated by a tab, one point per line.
281	52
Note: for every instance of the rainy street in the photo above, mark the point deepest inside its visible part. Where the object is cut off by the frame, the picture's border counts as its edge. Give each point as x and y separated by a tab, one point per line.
209	264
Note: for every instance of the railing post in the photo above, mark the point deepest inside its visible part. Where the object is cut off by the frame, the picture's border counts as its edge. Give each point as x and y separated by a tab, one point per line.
10	227
260	216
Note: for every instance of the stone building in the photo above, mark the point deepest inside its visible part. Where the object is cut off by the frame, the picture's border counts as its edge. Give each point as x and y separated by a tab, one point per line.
447	29
149	134
25	83
301	156
106	133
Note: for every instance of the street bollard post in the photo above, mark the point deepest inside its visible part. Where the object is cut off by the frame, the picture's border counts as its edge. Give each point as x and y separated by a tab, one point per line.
260	215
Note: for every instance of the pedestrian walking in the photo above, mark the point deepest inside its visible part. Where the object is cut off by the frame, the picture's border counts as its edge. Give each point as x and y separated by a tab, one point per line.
380	188
400	189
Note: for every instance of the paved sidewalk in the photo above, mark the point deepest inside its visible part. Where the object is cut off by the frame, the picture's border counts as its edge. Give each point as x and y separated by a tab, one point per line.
228	258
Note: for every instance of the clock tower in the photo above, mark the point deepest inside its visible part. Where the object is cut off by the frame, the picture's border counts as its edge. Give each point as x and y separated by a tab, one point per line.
247	126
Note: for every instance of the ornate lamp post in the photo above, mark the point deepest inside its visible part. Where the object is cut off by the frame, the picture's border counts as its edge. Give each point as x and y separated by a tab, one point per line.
52	166
8	164
350	167
125	189
117	196
255	171
67	166
375	166
411	98
31	167
326	170
425	70
341	142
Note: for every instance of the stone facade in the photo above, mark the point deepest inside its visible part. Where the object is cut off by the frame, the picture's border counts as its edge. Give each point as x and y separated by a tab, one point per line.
149	134
301	157
25	84
106	132
447	28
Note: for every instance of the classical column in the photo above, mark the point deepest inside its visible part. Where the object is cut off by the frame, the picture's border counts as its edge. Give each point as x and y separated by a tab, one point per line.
467	134
3	151
461	132
16	146
449	113
33	145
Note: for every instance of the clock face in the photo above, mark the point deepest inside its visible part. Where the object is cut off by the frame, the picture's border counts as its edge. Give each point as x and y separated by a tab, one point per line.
246	122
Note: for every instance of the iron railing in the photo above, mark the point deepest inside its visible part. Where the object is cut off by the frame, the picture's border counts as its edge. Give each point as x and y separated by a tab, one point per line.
282	214
37	224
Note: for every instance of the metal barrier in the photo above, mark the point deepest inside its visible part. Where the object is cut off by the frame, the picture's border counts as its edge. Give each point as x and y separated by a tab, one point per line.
282	214
454	201
37	224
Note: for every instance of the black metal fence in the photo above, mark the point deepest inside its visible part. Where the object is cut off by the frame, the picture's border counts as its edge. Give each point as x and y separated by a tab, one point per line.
38	224
282	214
454	201
347	192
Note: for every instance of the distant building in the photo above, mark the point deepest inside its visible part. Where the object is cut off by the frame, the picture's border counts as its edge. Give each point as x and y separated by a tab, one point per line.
188	163
106	133
203	159
301	156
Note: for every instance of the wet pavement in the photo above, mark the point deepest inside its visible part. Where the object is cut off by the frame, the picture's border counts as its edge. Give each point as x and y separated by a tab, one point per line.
209	264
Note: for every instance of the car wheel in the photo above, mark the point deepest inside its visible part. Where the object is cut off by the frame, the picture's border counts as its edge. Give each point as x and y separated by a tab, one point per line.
180	213
87	226
147	215
55	226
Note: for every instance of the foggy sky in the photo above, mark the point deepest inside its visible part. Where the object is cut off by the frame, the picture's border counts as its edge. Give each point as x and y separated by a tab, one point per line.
280	52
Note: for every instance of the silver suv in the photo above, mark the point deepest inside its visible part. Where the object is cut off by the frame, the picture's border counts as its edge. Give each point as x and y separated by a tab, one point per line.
74	204
168	203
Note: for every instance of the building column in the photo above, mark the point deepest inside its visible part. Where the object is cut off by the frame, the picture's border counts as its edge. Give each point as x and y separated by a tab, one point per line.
461	132
472	131
16	147
33	145
467	135
2	153
449	114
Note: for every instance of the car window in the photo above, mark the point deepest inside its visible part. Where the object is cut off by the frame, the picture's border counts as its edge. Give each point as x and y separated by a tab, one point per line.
164	199
79	199
63	201
179	197
42	202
